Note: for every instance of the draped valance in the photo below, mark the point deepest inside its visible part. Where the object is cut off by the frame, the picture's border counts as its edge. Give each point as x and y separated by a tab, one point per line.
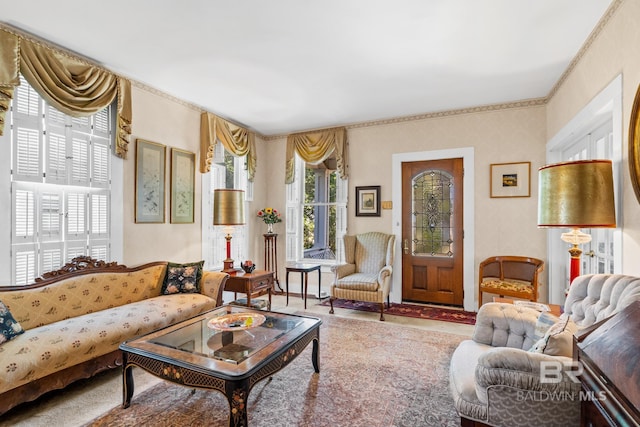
315	147
68	83
237	140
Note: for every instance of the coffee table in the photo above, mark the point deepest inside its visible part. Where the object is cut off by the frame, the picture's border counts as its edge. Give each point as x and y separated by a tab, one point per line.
194	353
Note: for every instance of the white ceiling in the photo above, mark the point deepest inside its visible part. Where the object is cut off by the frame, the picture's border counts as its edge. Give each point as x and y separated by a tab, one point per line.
280	66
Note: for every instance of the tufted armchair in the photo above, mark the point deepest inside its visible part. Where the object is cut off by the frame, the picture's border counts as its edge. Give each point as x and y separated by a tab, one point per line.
366	276
496	381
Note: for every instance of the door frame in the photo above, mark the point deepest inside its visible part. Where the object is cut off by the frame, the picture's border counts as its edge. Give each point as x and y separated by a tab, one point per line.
468	221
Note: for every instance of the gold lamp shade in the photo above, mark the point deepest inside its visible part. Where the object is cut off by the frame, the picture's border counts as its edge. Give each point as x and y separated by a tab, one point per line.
576	195
228	207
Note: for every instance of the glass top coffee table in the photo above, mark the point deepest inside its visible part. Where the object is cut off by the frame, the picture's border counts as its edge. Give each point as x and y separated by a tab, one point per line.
228	349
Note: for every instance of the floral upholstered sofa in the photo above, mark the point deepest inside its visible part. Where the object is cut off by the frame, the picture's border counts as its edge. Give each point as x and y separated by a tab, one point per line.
69	325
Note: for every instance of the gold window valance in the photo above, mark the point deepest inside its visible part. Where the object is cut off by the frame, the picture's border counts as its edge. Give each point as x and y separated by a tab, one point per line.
68	83
316	147
237	140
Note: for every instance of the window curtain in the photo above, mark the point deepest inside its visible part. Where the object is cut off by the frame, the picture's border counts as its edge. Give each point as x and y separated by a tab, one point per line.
315	147
235	139
69	83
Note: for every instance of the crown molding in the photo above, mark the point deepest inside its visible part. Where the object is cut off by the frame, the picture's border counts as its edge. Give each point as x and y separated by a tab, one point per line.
535	102
604	20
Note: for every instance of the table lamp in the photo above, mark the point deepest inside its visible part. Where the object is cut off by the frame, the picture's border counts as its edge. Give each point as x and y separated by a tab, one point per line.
228	210
576	195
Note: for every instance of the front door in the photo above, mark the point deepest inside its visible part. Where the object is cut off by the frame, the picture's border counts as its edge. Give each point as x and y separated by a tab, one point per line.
432	232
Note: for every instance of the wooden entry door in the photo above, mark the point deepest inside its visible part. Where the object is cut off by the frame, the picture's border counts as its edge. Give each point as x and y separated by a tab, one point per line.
432	250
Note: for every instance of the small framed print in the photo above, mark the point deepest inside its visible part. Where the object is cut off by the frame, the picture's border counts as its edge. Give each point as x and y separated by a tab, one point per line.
183	164
150	179
511	179
368	201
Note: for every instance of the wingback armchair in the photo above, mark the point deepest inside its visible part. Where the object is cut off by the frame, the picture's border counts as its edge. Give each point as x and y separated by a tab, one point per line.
495	377
366	275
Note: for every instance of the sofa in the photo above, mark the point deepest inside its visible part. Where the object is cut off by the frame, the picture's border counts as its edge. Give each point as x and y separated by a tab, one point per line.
499	377
70	323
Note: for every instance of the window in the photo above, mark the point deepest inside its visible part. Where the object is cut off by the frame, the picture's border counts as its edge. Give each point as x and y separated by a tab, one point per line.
227	171
598	255
60	185
317	208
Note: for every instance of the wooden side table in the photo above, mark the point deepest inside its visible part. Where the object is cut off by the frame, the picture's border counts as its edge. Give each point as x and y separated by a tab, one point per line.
271	256
304	270
554	309
254	284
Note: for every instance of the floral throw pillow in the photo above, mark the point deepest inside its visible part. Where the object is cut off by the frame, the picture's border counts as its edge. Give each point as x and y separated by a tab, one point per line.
182	278
9	327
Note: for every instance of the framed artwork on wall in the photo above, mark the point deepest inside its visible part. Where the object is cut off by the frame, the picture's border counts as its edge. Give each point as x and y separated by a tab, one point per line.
368	201
150	182
183	164
511	179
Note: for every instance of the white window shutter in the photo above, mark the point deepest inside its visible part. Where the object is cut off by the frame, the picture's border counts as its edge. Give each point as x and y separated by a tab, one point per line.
100	163
99	249
101	124
342	191
57	135
27	160
76	216
51	256
24	214
99	215
24	267
294	213
51	214
74	249
80	159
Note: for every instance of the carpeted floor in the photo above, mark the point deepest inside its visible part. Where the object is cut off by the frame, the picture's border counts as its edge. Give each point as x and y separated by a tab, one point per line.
409	310
372	374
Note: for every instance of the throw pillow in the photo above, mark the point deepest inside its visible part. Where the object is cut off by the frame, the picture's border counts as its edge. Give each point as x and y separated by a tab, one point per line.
9	327
558	341
545	321
182	278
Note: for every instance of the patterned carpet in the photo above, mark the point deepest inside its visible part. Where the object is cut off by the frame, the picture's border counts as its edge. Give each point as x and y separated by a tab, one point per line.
409	310
372	374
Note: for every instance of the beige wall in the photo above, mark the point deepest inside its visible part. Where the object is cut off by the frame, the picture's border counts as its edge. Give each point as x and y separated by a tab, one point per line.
613	51
159	119
502	226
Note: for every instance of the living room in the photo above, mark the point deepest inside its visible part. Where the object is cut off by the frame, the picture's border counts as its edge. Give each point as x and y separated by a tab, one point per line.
499	133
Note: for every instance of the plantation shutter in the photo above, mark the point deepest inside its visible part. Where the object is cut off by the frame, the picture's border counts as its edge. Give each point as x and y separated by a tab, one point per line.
51	256
24	214
27	133
76	216
24	267
57	137
294	213
342	191
51	215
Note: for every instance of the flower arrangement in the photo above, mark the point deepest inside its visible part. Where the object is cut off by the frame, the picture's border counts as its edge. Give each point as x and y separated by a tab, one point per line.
269	215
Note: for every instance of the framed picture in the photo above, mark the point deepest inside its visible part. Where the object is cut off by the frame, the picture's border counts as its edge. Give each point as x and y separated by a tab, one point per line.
183	175
150	181
368	201
511	179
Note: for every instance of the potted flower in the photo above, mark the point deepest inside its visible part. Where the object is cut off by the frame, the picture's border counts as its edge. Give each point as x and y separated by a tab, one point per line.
270	216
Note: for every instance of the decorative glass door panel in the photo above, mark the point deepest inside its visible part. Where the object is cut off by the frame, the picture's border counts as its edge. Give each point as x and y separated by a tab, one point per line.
432	210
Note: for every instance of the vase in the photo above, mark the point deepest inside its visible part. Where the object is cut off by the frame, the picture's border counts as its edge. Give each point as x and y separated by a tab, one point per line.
269	228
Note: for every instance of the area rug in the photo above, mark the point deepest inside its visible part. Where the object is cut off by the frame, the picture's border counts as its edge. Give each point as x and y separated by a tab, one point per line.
372	374
409	310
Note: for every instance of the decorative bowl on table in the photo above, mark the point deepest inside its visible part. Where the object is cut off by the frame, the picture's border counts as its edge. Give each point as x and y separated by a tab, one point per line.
248	268
236	321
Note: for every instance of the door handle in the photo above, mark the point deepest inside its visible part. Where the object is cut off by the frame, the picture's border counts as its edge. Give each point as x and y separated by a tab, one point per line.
590	254
406	247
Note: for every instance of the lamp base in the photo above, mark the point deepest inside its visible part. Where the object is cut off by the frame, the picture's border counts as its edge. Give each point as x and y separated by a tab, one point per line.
227	266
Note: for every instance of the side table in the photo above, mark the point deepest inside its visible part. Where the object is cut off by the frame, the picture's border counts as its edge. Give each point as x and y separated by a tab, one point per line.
254	284
271	256
304	270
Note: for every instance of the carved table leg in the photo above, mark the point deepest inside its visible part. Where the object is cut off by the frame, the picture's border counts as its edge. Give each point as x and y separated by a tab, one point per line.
127	381
315	354
237	393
